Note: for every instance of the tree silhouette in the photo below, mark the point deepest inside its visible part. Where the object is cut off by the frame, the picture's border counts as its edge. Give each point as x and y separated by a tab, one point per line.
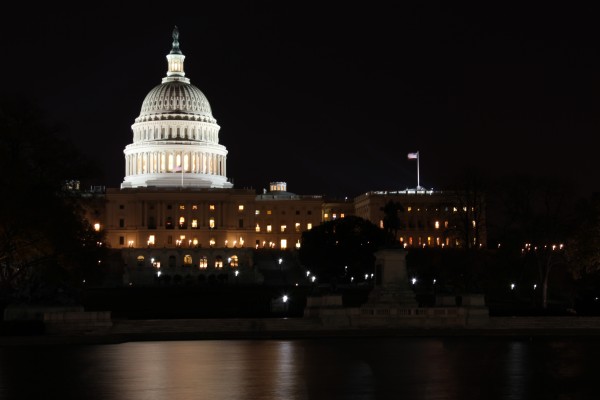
341	249
43	234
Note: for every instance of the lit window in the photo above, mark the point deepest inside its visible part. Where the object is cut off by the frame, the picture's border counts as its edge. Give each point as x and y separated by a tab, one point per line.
211	223
409	209
325	216
297	226
474	223
195	242
428	240
283	227
234	261
454	209
342	215
194	223
308	226
334	216
212	242
437	224
211	207
219	262
257	228
151	240
269	228
438	241
381	223
140	261
194	207
182	207
445	224
283	243
241	207
257	212
203	262
269	212
298	244
181	220
187	259
97	227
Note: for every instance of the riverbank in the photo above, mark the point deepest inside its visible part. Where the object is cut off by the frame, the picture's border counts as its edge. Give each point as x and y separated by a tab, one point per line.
301	328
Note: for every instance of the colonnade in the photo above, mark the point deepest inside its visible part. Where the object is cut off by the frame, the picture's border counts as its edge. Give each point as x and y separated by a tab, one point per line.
154	162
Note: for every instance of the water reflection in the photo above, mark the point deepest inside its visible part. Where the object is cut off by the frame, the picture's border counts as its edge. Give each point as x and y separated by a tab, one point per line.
375	368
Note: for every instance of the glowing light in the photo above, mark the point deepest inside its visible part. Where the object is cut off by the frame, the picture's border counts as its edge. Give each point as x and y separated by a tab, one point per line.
314	278
97	227
237	273
280	261
284	298
512	286
414	280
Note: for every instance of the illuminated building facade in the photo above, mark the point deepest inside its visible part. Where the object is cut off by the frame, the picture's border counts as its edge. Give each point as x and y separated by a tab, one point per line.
429	218
177	209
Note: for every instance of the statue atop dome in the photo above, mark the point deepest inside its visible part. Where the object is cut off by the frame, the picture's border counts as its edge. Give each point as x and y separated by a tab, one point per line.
175	49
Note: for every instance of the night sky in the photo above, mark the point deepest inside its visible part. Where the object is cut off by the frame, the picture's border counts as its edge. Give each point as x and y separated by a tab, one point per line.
331	99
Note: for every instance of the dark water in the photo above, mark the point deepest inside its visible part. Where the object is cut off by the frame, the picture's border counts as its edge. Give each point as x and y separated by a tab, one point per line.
374	368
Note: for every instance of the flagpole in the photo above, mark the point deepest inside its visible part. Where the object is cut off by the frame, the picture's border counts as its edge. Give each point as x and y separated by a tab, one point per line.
418	177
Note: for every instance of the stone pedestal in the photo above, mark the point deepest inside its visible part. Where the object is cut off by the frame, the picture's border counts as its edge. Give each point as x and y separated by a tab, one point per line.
391	280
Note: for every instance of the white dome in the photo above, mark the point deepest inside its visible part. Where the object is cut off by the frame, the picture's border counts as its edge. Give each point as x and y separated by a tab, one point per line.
175	137
175	97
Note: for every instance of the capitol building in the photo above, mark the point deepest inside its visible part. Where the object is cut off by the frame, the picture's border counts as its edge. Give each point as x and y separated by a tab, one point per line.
177	209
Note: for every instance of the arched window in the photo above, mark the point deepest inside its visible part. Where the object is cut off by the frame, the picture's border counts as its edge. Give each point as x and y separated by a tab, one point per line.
233	262
187	259
140	261
219	262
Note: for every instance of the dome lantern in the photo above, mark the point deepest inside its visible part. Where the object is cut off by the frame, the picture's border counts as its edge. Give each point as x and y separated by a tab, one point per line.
175	61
